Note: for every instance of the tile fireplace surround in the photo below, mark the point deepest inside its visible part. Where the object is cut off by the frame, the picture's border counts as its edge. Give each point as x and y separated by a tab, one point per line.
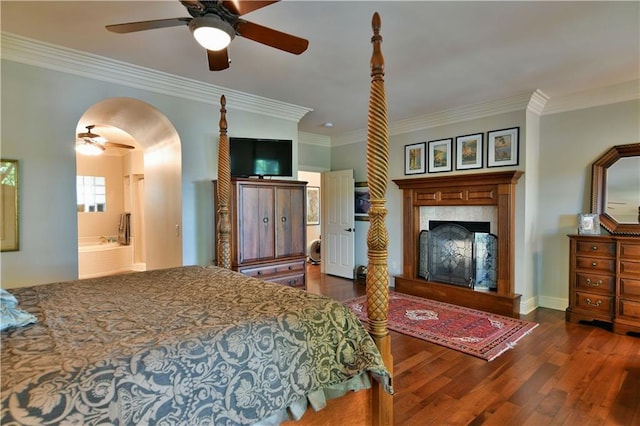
491	194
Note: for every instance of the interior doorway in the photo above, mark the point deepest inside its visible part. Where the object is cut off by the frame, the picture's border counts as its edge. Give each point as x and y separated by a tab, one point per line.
313	220
156	187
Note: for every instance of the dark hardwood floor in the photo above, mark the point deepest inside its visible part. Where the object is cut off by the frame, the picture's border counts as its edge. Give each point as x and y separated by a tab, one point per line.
561	374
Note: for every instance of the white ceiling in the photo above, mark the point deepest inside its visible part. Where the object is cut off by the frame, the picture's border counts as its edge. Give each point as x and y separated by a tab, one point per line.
438	55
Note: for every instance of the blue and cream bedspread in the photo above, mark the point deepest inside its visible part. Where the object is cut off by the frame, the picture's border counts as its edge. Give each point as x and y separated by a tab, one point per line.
189	345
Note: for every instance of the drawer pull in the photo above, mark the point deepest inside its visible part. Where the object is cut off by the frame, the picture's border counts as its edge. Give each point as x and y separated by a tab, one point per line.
594	264
593	284
259	272
594	248
598	303
290	267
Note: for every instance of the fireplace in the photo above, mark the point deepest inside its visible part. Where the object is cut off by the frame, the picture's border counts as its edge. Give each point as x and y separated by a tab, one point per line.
488	195
459	253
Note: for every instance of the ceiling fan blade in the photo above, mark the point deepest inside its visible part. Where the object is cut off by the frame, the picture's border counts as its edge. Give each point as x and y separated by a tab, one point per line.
240	7
218	59
271	37
131	27
117	145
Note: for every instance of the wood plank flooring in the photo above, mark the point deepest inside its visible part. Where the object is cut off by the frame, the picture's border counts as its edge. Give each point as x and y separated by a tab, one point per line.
561	374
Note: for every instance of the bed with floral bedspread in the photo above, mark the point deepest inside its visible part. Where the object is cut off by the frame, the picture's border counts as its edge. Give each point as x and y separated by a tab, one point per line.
188	345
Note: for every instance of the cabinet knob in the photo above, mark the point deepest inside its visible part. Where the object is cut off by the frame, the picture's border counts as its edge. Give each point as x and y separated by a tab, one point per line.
594	248
290	267
598	303
284	219
265	220
259	272
594	263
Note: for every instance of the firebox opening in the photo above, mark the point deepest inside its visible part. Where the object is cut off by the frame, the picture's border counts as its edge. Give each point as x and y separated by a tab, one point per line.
459	253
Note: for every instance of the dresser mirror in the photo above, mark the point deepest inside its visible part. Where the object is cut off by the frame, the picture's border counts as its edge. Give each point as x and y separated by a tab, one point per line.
615	189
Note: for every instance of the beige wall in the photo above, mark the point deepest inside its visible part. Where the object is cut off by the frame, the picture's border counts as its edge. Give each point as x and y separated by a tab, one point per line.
570	143
556	153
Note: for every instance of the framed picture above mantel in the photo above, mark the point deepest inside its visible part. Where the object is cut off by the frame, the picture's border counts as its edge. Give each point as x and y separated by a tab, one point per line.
469	151
440	155
502	147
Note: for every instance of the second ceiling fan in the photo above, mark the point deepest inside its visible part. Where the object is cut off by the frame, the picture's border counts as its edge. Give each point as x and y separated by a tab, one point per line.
215	23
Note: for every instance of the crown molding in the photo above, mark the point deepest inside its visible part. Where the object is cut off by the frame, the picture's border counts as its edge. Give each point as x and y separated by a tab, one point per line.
537	102
314	139
623	92
45	55
443	118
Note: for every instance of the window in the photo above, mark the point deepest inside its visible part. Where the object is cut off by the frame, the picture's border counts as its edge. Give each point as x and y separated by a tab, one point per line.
92	193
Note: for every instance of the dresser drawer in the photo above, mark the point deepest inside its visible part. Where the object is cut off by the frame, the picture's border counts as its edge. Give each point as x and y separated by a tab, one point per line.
630	268
596	264
595	283
267	271
594	303
290	280
629	288
629	308
596	248
630	251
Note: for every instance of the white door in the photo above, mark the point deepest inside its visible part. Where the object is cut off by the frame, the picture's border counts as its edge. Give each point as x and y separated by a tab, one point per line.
338	227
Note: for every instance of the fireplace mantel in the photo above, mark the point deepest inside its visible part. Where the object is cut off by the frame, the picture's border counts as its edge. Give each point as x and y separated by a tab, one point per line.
478	189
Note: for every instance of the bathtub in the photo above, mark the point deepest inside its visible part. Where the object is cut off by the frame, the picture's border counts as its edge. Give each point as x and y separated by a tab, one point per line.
96	258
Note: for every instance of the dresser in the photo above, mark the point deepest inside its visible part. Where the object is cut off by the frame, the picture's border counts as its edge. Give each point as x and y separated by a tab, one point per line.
268	231
604	281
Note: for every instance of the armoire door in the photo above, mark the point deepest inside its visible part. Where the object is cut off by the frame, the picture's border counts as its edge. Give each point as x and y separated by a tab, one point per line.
290	216
256	235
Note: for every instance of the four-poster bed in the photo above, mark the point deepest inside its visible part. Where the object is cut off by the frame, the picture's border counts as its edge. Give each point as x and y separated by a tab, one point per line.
377	407
204	344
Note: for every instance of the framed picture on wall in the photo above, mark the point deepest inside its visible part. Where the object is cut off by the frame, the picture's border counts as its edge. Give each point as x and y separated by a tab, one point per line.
502	147
313	205
440	155
9	234
469	151
362	197
414	158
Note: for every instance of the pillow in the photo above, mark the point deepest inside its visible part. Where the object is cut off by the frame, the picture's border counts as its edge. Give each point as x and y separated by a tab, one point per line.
11	315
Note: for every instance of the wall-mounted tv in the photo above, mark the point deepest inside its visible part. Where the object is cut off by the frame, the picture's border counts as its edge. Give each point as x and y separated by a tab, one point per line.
260	157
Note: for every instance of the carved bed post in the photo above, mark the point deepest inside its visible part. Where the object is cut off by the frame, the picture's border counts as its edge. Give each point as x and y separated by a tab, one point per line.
224	188
377	237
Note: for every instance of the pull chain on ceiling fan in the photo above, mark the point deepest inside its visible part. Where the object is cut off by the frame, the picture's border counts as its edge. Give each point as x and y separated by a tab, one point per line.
215	23
89	143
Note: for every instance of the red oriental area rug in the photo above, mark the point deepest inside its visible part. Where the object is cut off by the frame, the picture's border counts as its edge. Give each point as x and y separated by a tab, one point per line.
473	332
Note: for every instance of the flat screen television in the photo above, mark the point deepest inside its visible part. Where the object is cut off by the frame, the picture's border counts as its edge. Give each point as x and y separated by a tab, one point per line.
260	157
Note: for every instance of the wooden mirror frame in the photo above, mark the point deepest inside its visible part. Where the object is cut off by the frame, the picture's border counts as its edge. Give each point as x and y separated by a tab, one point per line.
599	188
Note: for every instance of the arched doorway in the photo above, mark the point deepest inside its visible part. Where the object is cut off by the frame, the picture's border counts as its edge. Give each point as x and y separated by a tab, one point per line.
161	199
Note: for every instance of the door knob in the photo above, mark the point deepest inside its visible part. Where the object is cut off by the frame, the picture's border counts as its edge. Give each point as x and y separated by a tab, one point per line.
349	229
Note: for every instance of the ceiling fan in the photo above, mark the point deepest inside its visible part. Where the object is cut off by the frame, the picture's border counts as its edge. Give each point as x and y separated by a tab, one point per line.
215	23
89	143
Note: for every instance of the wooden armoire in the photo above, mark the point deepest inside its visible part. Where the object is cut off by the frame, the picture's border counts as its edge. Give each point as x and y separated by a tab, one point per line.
268	231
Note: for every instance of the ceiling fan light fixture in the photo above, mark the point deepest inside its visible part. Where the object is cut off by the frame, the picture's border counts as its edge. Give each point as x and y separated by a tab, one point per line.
211	32
89	148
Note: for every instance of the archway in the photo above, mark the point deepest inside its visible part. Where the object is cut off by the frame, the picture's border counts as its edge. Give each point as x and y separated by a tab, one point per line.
162	172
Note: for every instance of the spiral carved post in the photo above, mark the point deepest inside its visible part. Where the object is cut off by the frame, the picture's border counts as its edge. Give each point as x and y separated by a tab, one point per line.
377	237
224	189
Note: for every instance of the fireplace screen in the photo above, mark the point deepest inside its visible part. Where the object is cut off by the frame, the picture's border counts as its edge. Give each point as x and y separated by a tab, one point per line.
452	254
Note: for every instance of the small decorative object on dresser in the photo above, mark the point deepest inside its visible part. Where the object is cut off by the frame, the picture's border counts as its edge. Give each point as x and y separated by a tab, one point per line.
588	224
604	281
